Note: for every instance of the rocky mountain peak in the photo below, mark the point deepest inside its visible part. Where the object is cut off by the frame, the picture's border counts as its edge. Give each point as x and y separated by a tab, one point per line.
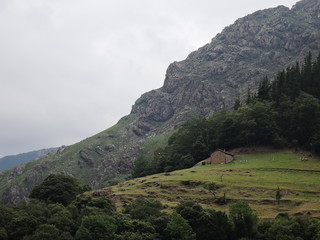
237	58
308	8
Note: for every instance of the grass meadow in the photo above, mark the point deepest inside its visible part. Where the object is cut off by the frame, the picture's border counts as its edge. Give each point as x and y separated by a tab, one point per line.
252	177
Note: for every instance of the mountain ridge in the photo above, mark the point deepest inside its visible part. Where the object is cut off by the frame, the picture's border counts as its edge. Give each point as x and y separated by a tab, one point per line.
208	80
11	161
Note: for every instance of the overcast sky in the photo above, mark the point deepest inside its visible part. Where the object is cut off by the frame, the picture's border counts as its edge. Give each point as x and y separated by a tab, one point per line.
72	68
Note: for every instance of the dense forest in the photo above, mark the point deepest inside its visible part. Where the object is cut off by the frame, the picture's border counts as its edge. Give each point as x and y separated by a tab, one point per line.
284	112
58	210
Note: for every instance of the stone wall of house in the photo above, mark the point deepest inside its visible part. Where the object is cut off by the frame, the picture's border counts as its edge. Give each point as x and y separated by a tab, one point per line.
219	157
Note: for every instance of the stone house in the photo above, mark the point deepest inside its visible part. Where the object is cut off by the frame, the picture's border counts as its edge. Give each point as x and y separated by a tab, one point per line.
219	156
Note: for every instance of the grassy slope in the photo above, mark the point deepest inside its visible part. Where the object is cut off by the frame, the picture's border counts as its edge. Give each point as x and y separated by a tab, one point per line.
251	177
67	160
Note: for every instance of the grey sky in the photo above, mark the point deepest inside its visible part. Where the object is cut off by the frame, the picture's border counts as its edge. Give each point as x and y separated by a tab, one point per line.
72	68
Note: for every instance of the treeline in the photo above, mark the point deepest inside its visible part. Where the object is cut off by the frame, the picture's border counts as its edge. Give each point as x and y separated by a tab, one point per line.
57	212
283	113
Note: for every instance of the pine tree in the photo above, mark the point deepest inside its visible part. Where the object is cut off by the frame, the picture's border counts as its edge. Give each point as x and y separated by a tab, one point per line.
237	104
264	89
306	74
316	76
249	97
295	84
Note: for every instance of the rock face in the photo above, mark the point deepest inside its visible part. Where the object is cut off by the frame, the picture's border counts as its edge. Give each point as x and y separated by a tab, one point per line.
209	79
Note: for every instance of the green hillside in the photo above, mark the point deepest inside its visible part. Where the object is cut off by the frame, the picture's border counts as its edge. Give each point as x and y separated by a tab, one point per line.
11	161
253	177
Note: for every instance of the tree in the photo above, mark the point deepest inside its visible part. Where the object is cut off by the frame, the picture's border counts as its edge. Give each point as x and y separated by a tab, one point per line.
264	89
192	212
6	215
306	74
244	220
96	227
294	84
249	96
214	225
178	228
306	119
24	219
237	103
160	223
199	150
3	233
291	229
284	117
61	218
229	136
103	203
22	225
136	236
316	142
47	232
140	167
266	126
58	188
247	125
85	206
143	208
35	209
278	195
134	229
186	161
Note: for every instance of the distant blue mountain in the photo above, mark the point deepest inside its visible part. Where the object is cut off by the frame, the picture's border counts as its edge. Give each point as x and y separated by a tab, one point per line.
11	161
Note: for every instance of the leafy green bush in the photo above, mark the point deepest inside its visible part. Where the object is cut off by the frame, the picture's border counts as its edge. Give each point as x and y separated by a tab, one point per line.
58	188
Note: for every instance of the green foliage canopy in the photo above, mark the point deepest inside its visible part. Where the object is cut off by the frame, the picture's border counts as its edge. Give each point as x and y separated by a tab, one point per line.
244	220
94	227
178	228
58	188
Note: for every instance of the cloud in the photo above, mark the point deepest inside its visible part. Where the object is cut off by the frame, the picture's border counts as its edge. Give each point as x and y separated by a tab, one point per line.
70	69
